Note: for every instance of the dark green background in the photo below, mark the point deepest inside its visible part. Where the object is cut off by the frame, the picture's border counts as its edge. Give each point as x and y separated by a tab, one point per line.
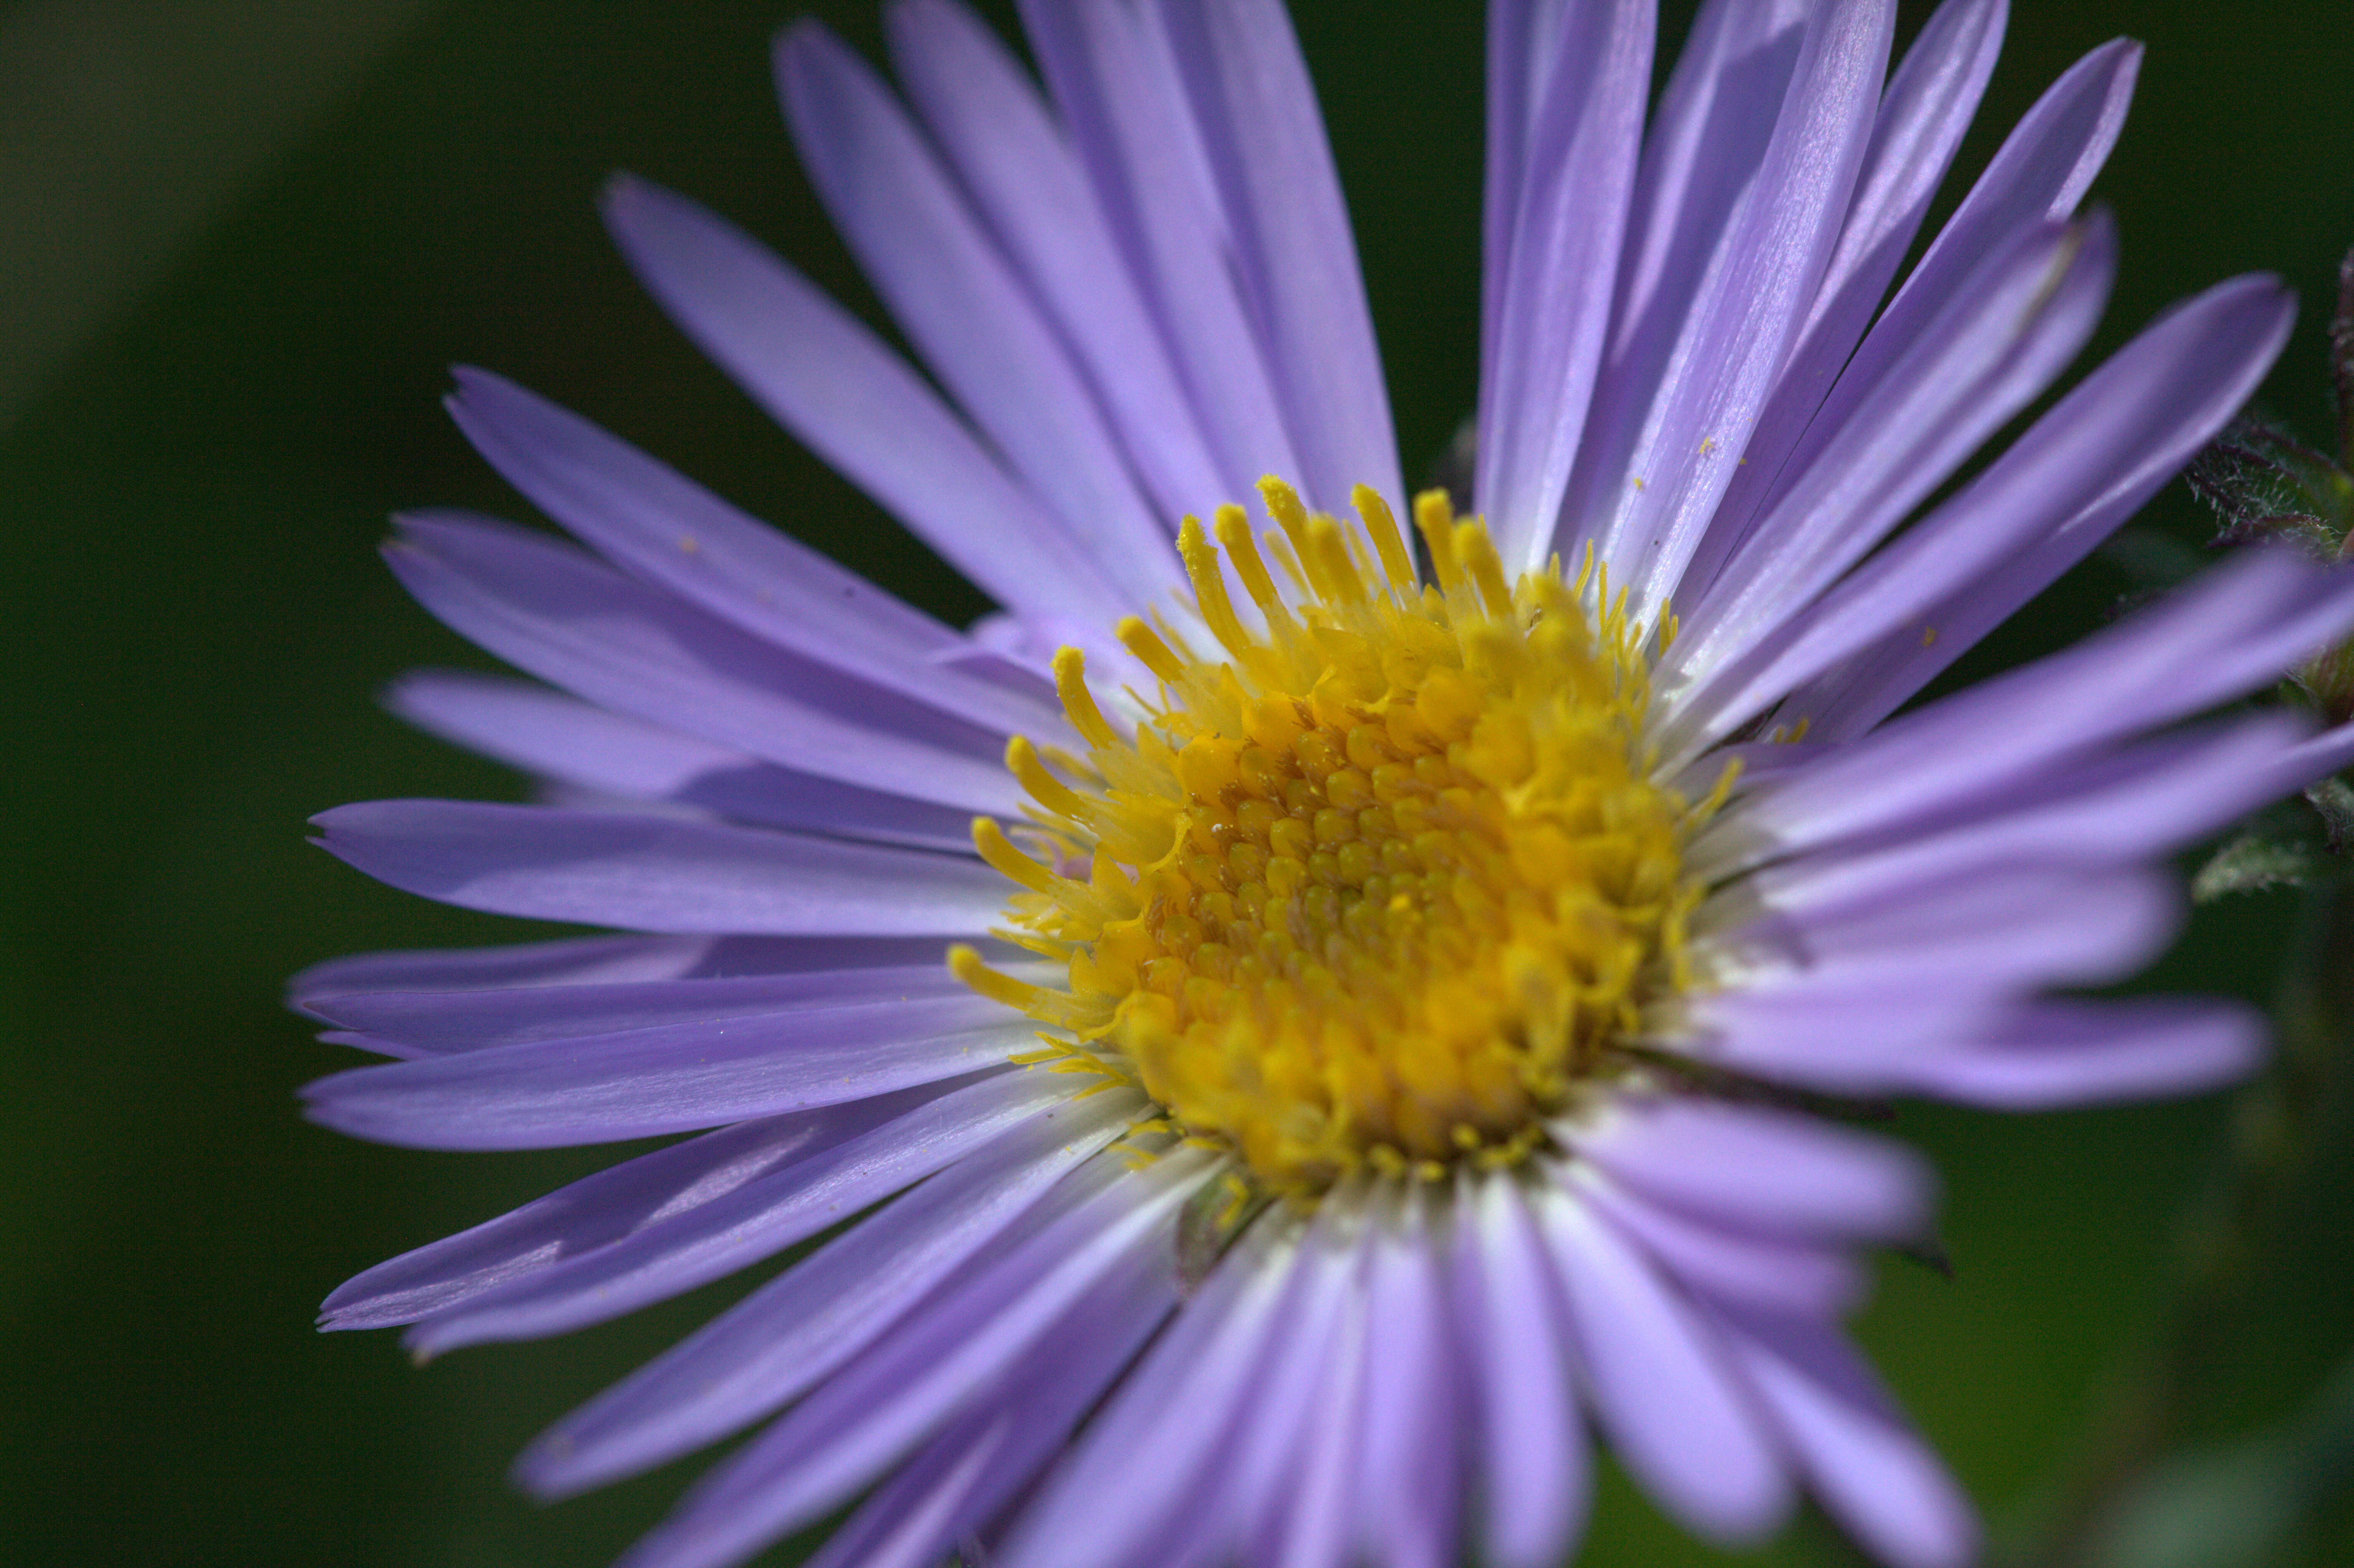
193	625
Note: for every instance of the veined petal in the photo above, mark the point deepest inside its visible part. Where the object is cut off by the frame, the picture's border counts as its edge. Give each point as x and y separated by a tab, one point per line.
1316	1525
678	1248
1780	1273
2049	1054
1986	936
578	743
1928	104
2141	800
597	1212
1110	73
2037	177
953	293
1559	192
2038	509
639	1083
555	613
988	121
1661	1385
1120	1496
585	960
2235	629
1272	1448
1856	1454
653	521
1743	192
1532	1455
1757	1169
796	1330
2009	333
1292	253
1522	47
1410	1472
968	1474
924	1370
658	873
827	378
438	1023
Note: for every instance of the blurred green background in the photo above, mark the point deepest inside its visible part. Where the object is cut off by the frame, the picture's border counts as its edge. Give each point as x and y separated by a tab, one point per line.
240	242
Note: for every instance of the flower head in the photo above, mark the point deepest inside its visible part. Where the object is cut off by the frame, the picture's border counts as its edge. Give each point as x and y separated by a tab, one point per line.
1307	1024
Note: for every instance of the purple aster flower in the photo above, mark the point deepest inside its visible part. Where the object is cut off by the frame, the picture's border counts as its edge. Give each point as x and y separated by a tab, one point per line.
1366	1052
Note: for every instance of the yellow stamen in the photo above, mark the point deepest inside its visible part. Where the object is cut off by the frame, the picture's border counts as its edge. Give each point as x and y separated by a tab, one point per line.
1396	565
1071	689
1011	862
1234	539
1433	519
1150	651
1022	761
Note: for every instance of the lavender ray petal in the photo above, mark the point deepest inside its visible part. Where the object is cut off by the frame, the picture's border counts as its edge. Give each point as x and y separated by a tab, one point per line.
440	1023
777	1209
575	961
2037	177
1729	256
795	1331
1821	1034
1119	1498
1044	1397
640	1083
912	1519
1568	207
2052	1053
925	1368
1293	253
2136	802
1874	1475
968	315
664	528
1522	47
1317	1522
556	614
1108	71
826	377
1755	1170
1989	931
742	1505
1928	105
1532	1456
2009	333
599	1211
1872	643
1660	1384
1274	1441
584	746
658	873
1409	1481
1781	1273
988	122
2234	628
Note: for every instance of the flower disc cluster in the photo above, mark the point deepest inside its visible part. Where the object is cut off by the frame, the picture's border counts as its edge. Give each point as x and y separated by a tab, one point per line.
1375	885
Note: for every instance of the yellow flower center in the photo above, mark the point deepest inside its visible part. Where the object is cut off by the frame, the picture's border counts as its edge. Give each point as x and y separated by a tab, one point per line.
1377	881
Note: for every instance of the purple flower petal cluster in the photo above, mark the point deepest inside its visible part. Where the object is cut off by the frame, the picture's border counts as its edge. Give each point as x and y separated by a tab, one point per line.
1133	291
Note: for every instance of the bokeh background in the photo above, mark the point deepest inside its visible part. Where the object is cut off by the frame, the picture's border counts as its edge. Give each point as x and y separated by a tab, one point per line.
240	240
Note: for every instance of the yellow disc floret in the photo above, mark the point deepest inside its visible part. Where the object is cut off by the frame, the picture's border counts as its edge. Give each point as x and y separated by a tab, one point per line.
1376	883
